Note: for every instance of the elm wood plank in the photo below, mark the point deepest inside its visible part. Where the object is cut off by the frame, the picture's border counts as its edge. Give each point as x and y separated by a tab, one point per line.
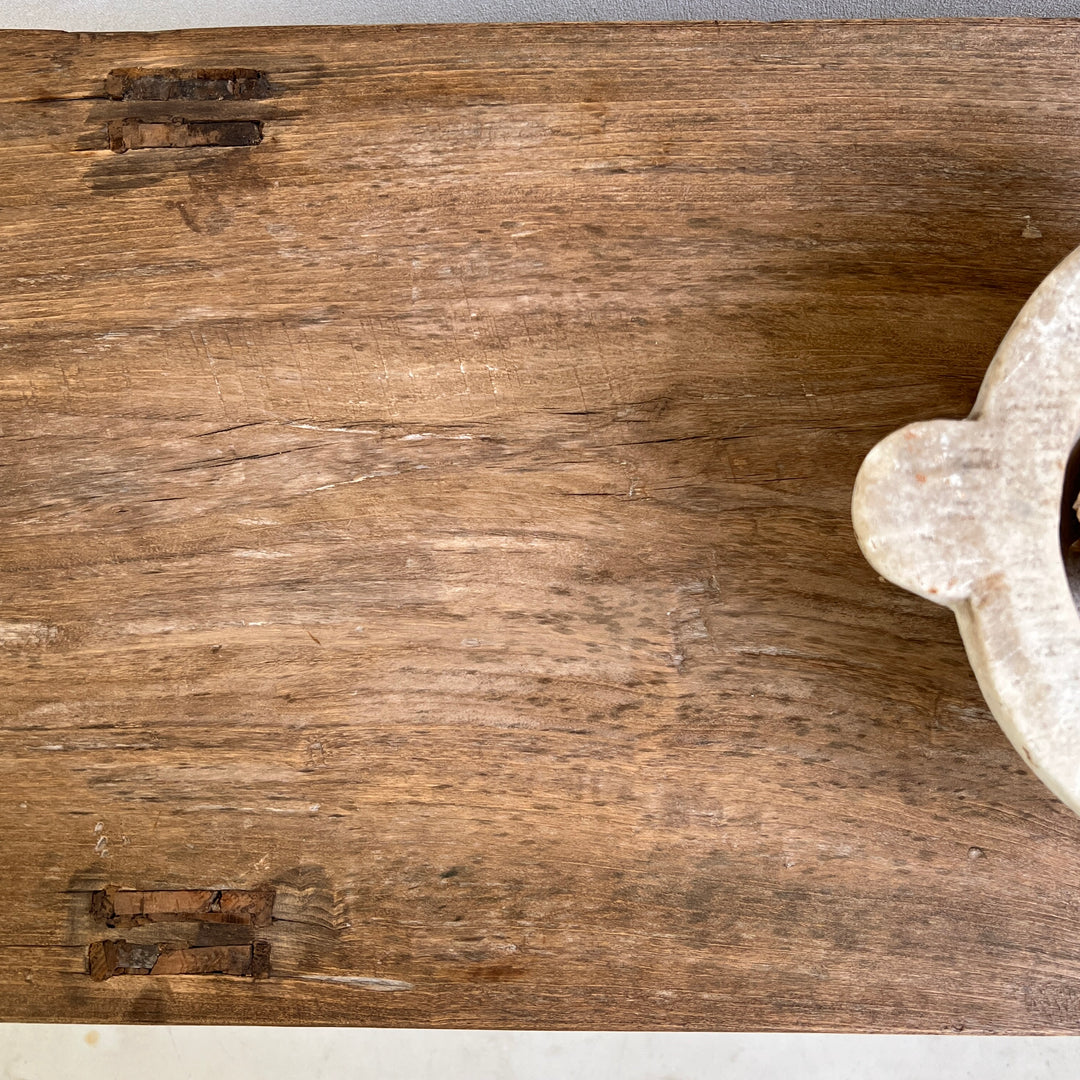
438	513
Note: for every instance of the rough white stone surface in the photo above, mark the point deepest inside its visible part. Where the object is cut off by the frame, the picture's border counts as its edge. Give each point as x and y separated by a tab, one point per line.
967	514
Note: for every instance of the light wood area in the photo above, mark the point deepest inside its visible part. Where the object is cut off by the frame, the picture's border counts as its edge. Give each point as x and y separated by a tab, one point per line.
425	463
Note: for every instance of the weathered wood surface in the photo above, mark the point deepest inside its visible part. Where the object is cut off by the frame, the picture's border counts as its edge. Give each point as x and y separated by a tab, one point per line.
438	513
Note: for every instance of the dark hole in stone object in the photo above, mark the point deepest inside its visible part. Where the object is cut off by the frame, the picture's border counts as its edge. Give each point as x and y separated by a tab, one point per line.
1070	523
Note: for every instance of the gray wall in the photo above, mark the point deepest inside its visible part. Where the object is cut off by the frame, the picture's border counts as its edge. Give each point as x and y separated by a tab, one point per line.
166	14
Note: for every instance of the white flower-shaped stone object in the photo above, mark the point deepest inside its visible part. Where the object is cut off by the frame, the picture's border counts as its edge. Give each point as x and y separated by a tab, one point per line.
967	513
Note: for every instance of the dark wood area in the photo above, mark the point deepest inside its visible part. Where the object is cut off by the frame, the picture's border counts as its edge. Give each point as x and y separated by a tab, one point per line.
425	457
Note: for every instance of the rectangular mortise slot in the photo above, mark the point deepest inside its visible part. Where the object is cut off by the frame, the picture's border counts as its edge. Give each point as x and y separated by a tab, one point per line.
138	907
134	134
106	959
186	84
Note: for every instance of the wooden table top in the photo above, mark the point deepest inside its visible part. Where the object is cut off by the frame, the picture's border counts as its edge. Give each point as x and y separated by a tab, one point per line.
428	590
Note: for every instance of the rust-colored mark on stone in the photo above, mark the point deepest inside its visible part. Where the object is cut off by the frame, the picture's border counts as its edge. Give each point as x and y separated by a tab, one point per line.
132	133
137	907
106	959
186	84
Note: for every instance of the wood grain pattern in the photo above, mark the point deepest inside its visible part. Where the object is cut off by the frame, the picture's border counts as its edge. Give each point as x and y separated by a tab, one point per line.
438	513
